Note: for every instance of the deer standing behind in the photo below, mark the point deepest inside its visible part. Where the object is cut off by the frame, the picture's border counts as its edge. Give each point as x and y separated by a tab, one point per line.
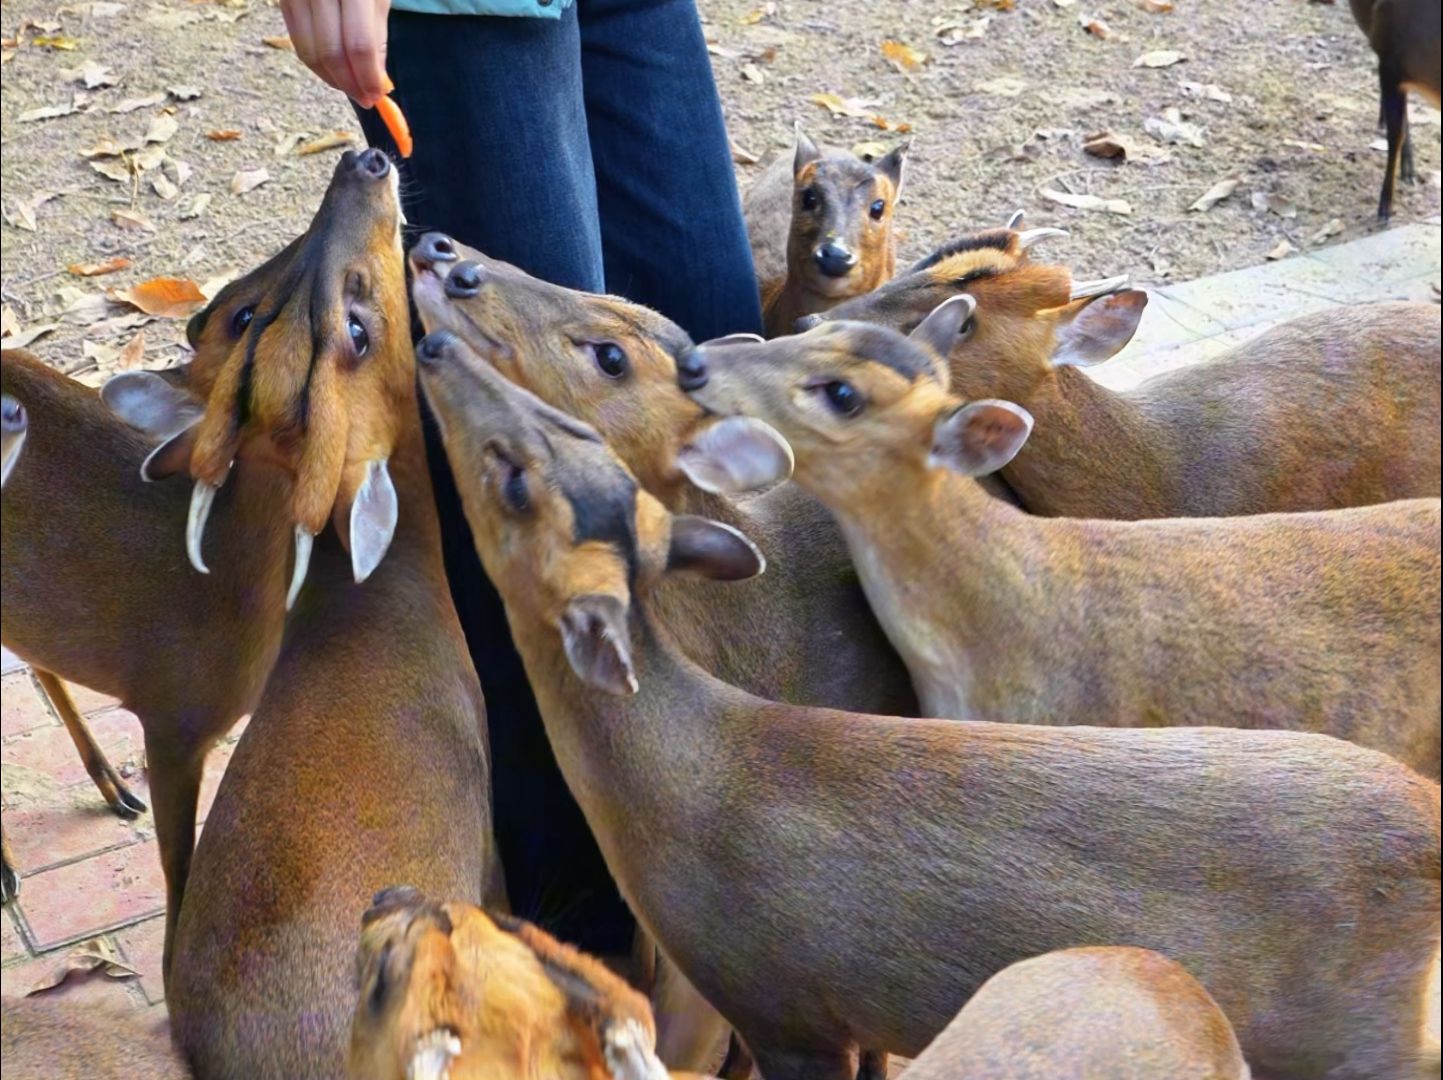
1405	35
449	990
1333	409
831	879
1324	622
820	226
1075	1014
365	758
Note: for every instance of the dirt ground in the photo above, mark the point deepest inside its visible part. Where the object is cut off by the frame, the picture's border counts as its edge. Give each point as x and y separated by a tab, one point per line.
1280	95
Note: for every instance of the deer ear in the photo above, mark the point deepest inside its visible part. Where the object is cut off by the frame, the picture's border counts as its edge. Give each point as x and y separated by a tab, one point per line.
1091	331
806	152
373	520
892	166
980	437
734	455
712	550
598	643
939	330
151	404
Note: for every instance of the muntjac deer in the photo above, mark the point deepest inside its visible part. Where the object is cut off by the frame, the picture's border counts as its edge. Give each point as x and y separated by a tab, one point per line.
807	635
821	229
1333	409
1119	1013
47	1037
365	758
448	990
830	879
98	591
15	423
1405	35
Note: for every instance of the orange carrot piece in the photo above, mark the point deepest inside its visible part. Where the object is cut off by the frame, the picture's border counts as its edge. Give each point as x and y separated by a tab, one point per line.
395	122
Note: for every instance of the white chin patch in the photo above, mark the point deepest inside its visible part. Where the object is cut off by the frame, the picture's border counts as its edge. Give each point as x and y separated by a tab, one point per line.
431	1060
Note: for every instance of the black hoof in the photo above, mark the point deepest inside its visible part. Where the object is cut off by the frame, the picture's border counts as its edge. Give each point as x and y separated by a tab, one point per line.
9	884
126	804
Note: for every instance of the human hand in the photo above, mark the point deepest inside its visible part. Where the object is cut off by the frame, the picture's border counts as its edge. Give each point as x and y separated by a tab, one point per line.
344	42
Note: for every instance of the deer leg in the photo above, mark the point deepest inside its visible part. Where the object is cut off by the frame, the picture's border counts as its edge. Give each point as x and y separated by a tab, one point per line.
175	775
738	1064
873	1065
107	780
9	877
690	1034
1395	115
776	1063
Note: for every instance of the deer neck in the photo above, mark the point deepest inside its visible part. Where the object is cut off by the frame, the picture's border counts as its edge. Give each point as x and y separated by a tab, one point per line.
1093	453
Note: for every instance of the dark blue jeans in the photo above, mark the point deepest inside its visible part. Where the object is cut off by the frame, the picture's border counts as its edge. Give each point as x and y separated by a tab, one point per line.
590	152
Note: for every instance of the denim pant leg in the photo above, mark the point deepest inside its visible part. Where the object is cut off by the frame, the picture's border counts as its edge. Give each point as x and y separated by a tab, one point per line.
672	233
502	163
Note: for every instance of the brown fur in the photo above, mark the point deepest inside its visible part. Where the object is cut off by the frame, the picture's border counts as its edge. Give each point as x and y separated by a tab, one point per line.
45	1037
1333	409
1405	34
98	591
1119	1013
1324	622
786	233
829	879
518	1002
365	759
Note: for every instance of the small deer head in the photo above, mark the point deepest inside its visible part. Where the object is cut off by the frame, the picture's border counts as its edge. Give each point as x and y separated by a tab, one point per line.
841	243
447	991
559	522
304	363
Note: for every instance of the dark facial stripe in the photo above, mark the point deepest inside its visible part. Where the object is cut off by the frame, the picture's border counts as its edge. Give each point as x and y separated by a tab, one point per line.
889	348
603	508
992	239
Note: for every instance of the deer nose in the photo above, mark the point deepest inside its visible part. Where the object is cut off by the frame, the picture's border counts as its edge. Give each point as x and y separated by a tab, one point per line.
373	163
464	281
835	260
433	248
691	371
430	351
808	322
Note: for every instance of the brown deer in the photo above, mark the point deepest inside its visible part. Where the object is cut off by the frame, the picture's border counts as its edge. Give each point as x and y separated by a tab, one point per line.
1119	1013
1405	35
45	1036
821	229
1324	622
828	879
127	617
807	635
365	758
1333	409
448	990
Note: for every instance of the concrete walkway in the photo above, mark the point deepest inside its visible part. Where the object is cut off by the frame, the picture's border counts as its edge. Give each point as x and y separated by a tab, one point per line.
88	874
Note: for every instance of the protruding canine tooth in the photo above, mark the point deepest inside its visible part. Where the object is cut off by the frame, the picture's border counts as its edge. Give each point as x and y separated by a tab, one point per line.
1031	236
1082	290
304	542
201	498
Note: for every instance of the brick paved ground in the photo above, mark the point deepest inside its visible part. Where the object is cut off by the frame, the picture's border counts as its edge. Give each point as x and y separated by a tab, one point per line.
86	873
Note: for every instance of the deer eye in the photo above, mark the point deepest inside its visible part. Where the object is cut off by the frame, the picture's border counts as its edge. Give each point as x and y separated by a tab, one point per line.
241	319
360	340
877	209
610	358
842	397
514	489
810	199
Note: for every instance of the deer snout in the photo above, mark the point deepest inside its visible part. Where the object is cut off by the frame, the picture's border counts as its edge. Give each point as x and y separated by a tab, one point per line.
433	248
464	280
808	322
371	164
691	373
835	259
432	349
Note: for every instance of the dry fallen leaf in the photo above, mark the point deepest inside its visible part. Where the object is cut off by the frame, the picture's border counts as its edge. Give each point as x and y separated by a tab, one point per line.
1086	202
1282	251
162	129
132	353
163	187
1003	86
132	220
197	207
1311	146
1095	26
280	41
1172	128
288	142
1154	7
109	266
93	75
1064	3
722	51
902	57
162	297
1328	231
223	135
954	33
1210	91
9	322
131	104
55	41
840	106
1106	144
17	338
48	112
182	92
95	958
248	180
753	74
1281	205
332	141
108	147
1216	194
743	156
1159	58
756	15
210	286
24	214
871	151
178	171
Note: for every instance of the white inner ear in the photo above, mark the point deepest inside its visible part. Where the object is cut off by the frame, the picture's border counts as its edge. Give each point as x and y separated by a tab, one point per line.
735	455
146	402
373	520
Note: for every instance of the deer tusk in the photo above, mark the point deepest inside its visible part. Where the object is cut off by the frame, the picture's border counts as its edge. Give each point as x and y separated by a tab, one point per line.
1028	237
431	1059
630	1052
304	542
1016	219
1083	290
201	498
